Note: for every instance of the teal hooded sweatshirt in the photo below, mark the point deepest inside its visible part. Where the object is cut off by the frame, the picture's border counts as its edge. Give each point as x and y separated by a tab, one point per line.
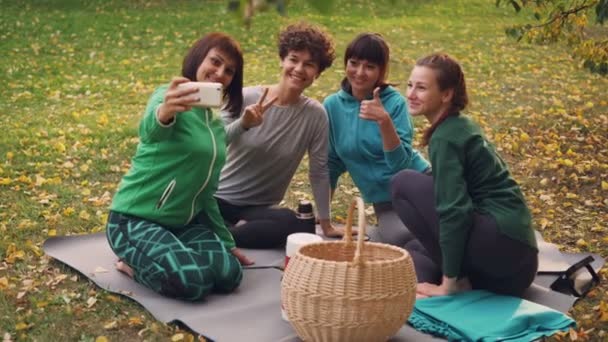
355	144
175	171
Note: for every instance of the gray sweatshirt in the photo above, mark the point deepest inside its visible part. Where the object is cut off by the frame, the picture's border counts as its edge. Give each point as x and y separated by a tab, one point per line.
261	161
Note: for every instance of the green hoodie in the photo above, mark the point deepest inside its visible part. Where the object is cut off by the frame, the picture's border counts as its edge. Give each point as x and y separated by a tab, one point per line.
175	171
471	177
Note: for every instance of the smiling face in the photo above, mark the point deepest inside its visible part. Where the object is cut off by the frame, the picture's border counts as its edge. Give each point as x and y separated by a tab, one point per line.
424	96
298	70
217	67
363	76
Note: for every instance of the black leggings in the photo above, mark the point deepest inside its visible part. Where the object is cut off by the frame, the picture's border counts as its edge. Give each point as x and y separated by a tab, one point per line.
492	260
264	227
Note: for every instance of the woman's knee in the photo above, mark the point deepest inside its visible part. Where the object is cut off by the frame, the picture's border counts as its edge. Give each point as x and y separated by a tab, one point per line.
230	275
406	183
174	286
284	215
289	222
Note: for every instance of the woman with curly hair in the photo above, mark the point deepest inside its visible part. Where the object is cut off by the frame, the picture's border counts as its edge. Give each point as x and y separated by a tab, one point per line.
265	148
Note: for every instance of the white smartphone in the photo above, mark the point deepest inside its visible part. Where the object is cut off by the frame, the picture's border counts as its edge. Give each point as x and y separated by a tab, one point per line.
209	93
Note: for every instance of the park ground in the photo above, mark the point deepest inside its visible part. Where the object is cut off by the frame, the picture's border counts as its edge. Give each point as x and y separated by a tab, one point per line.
75	76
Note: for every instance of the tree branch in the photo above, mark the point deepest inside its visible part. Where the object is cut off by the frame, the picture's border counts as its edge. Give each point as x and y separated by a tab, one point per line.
563	15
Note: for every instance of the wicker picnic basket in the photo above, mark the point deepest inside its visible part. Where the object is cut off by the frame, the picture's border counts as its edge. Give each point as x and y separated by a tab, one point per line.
346	291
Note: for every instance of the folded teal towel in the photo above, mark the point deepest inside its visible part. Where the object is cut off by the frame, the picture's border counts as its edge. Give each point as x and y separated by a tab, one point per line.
484	316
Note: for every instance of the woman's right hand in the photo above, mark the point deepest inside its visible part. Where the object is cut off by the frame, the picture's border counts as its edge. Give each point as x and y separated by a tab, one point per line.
242	258
254	113
176	100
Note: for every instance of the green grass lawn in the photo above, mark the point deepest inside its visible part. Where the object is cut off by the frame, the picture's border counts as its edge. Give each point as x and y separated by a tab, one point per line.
76	75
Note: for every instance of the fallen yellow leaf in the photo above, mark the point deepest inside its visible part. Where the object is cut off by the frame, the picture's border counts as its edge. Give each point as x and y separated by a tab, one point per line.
111	325
22	326
60	147
13	256
567	162
101	339
112	298
544	223
135	321
103	120
69	211
91	301
84	215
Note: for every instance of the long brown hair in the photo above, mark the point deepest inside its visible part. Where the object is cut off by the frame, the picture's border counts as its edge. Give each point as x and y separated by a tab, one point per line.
229	46
449	76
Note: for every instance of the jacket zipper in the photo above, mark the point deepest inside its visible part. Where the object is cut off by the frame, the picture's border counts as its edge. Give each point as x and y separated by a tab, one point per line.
213	143
165	195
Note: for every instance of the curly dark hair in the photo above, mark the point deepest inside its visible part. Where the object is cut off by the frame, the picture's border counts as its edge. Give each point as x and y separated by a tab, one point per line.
304	36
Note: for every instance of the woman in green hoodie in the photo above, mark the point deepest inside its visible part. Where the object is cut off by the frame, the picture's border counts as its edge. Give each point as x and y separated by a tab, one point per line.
470	215
370	133
164	223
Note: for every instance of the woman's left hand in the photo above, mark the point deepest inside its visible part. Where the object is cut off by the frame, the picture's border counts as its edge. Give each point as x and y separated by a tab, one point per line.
332	231
373	109
448	286
242	258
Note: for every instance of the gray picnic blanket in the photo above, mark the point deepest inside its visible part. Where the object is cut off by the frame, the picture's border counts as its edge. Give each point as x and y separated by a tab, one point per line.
253	311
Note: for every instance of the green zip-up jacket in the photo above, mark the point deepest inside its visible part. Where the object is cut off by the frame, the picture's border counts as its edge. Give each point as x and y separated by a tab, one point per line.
175	171
470	177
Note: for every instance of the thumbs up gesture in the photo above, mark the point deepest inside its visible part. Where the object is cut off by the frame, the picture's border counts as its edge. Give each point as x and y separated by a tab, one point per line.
373	109
254	113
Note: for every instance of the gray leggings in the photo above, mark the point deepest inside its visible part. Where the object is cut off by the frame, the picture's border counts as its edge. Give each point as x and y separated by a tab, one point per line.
390	228
492	260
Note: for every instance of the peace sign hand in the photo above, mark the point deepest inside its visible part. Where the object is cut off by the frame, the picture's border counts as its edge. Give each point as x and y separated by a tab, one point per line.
373	109
254	113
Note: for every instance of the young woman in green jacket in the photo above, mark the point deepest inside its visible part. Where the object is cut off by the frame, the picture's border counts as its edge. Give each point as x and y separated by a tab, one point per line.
164	224
470	215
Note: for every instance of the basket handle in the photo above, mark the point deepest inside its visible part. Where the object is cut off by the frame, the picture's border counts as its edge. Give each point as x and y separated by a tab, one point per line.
348	235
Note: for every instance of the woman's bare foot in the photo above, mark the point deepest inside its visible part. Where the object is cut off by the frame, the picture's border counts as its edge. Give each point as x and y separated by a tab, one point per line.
124	268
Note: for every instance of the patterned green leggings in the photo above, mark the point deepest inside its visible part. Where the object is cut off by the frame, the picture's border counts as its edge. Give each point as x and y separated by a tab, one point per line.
188	263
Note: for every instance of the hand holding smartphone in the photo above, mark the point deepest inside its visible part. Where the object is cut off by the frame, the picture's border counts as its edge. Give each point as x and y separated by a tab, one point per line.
209	93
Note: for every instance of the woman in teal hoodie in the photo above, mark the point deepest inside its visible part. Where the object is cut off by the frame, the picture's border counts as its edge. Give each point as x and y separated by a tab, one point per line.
164	223
370	133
